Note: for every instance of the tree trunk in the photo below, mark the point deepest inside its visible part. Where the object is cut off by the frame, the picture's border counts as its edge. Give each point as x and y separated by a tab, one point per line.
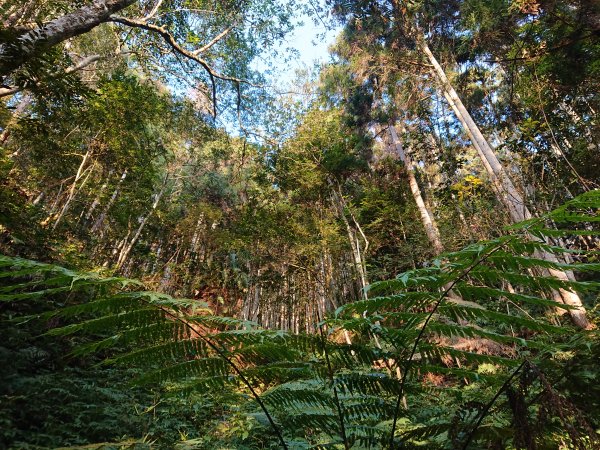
128	247
35	42
98	197
72	191
354	245
504	187
100	220
431	229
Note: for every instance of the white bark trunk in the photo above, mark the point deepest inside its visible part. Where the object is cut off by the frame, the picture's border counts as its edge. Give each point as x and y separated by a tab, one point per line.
504	187
431	229
96	201
128	247
354	244
100	220
36	41
39	198
72	191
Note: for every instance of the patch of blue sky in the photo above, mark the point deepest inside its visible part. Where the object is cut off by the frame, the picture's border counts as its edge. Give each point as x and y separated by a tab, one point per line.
309	44
297	58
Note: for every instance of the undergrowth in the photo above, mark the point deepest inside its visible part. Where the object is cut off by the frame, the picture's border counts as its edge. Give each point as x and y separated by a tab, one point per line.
470	351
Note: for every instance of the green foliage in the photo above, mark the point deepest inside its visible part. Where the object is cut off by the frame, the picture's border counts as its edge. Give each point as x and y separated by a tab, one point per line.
453	338
273	243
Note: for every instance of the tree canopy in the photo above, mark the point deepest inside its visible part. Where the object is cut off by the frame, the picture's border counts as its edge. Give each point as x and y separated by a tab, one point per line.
396	249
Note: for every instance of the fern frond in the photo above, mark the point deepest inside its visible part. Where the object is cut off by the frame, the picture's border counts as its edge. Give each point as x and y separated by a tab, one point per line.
169	351
201	368
130	319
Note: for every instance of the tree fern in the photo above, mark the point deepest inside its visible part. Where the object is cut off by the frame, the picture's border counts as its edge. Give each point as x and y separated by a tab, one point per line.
470	324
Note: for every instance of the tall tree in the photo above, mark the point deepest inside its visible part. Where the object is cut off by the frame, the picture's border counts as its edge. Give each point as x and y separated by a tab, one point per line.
402	27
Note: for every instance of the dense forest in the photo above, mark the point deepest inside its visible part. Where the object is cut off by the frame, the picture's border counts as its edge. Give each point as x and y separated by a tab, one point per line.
394	249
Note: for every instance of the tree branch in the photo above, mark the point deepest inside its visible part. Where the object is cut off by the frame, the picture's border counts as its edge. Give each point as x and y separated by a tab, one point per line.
34	42
154	10
11	90
169	39
544	51
216	39
178	49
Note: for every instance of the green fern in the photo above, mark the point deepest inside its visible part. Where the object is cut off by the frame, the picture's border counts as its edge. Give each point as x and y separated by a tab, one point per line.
442	331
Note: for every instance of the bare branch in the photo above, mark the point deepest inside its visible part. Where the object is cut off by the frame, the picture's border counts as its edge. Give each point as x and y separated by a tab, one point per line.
154	10
216	39
83	63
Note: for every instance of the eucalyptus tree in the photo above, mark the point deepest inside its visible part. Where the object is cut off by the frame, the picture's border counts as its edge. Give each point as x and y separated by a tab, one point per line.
409	29
427	218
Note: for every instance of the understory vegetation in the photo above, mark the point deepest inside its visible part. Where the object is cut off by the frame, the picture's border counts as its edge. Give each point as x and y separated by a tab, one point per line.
462	350
397	248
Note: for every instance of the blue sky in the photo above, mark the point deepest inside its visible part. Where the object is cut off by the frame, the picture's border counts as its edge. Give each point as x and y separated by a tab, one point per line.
312	42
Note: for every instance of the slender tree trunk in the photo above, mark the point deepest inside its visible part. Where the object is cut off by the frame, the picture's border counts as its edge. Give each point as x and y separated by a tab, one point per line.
463	219
246	305
354	245
128	247
96	201
73	190
256	309
39	198
100	220
196	236
431	229
55	203
504	187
